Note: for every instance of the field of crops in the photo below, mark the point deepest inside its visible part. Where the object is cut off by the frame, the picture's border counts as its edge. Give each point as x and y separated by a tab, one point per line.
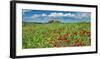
56	35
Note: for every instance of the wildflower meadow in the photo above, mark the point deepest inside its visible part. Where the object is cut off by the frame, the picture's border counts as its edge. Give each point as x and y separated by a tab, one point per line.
55	34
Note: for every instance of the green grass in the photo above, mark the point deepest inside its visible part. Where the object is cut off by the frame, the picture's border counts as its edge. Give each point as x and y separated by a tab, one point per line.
56	35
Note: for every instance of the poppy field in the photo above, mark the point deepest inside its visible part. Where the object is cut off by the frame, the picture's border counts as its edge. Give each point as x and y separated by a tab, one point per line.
53	35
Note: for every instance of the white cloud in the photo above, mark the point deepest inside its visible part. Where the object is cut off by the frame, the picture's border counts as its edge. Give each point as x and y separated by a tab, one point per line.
86	14
70	15
35	16
62	14
52	14
44	14
82	15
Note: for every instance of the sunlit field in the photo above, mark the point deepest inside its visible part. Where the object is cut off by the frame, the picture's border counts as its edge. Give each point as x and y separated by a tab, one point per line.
55	34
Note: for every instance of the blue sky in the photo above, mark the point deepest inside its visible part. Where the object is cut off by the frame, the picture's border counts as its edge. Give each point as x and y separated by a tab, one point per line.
44	16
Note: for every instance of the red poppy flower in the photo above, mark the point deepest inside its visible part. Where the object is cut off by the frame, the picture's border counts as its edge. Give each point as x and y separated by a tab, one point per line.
65	35
82	32
77	44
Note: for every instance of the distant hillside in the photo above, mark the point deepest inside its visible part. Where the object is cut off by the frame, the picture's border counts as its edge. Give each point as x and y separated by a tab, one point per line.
54	21
50	21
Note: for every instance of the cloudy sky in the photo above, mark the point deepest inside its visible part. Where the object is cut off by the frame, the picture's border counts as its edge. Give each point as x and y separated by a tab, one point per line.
44	16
